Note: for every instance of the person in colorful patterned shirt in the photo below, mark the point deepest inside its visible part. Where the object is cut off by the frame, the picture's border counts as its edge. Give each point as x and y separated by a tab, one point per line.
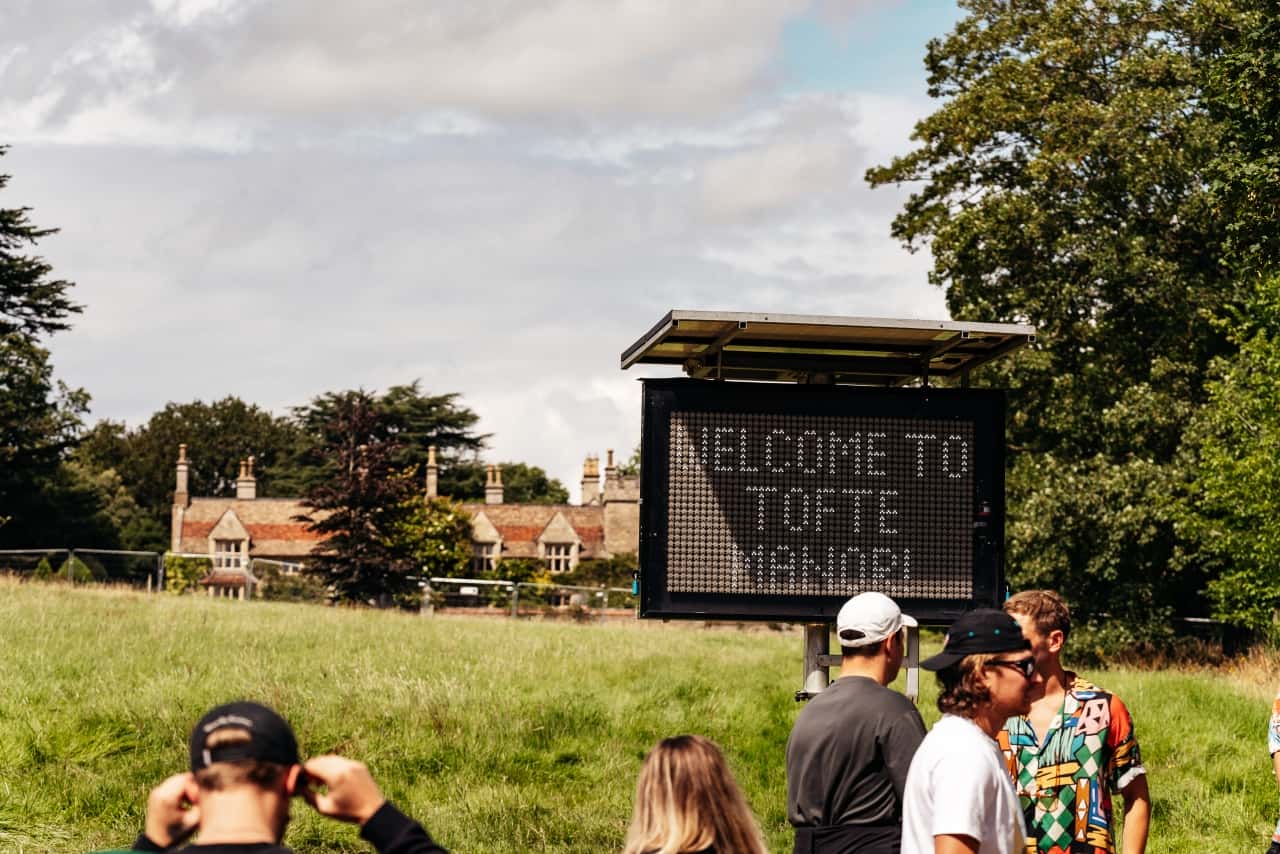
1273	742
1074	750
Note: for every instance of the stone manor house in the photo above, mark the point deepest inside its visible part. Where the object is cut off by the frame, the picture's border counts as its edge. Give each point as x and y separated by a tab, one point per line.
232	531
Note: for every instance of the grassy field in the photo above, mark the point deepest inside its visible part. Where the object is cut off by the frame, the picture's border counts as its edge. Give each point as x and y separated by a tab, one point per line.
500	736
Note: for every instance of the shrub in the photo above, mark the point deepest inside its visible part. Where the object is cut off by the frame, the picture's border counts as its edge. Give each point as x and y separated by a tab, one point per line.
182	573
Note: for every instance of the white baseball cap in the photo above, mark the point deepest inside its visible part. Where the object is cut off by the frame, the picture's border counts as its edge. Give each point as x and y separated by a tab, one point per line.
869	618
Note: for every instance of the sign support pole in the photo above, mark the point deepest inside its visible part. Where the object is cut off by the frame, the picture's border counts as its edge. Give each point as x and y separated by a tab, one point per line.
817	640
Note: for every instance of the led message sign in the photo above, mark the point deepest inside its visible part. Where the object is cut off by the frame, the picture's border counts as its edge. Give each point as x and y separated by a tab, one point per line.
780	502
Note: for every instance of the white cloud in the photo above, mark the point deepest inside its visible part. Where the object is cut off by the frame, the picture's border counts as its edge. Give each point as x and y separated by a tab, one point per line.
275	200
765	180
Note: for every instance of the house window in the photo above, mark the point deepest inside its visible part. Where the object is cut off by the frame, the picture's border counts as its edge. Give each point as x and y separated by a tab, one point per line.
482	556
228	554
559	556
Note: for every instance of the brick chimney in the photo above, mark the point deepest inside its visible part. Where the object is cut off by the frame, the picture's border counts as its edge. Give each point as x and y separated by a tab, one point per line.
493	485
590	480
610	470
433	473
181	501
246	484
181	494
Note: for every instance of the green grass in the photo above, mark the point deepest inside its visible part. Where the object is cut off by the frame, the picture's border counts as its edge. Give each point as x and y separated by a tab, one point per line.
500	736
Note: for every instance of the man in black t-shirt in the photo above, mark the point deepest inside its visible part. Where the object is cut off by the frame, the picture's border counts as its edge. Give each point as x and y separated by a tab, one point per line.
851	746
245	770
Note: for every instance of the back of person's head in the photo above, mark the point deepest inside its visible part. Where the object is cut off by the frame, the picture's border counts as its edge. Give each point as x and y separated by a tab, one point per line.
1045	608
688	801
242	743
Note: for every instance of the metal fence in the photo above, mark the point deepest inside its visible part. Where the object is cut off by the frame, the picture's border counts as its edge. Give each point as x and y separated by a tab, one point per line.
523	599
144	570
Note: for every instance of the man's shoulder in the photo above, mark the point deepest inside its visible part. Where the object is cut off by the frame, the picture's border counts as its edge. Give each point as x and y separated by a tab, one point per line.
1085	690
867	694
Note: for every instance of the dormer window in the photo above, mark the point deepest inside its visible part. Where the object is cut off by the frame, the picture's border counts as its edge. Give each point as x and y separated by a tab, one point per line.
483	556
559	556
228	554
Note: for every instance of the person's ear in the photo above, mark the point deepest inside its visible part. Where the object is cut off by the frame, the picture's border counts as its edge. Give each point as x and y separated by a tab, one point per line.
294	780
1055	640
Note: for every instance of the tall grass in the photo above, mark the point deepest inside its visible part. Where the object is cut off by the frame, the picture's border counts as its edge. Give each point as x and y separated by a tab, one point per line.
500	736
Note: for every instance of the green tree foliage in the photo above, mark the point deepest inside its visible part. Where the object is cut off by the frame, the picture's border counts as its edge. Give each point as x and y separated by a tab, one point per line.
31	303
39	422
616	571
631	466
436	534
218	436
1232	516
182	574
521	484
522	570
361	502
1243	95
1062	181
414	420
39	419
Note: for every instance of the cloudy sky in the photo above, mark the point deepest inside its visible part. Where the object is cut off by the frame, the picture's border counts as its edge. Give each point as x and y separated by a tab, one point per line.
278	198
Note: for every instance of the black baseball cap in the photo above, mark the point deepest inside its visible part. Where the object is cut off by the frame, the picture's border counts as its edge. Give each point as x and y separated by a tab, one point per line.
978	631
271	738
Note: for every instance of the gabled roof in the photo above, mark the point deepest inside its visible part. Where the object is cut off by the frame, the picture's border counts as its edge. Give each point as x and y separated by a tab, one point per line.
521	526
482	530
558	530
269	523
229	527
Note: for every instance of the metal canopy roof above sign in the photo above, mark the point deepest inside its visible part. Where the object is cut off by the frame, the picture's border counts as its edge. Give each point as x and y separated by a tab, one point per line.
796	347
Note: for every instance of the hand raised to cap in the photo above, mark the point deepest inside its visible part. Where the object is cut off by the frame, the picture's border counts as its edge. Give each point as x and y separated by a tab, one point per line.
172	813
352	794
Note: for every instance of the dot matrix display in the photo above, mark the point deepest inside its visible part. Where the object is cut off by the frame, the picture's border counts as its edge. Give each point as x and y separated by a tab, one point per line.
820	505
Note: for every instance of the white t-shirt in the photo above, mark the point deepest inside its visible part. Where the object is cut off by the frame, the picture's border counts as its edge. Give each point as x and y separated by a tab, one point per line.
959	784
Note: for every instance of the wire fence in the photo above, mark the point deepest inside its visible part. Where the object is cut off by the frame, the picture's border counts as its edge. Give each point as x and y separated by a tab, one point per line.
288	581
525	599
143	570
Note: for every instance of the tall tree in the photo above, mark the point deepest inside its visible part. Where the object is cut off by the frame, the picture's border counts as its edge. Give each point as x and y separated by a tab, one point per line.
1243	96
39	418
416	421
218	435
1231	512
31	303
1063	181
361	503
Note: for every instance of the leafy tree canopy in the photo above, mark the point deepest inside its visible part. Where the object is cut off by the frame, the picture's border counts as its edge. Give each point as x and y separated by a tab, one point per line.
31	303
218	435
362	503
1063	181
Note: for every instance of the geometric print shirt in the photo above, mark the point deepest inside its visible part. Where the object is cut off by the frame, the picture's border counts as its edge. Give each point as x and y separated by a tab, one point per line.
1065	782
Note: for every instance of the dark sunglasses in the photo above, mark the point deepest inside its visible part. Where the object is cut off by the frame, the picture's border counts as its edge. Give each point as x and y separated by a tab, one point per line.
1025	666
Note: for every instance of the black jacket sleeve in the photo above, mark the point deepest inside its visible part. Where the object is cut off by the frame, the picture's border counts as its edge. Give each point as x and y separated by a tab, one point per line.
392	832
144	843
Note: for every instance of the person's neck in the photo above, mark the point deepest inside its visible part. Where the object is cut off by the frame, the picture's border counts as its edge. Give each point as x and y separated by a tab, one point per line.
1056	680
875	667
240	815
989	720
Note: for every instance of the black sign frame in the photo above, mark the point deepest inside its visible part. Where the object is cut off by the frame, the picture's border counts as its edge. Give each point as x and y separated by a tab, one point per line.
983	408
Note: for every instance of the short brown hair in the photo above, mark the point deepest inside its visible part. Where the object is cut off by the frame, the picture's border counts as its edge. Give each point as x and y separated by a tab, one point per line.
222	775
1045	608
962	687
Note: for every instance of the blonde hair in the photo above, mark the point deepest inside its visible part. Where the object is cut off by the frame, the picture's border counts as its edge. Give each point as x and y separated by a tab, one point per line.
687	801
